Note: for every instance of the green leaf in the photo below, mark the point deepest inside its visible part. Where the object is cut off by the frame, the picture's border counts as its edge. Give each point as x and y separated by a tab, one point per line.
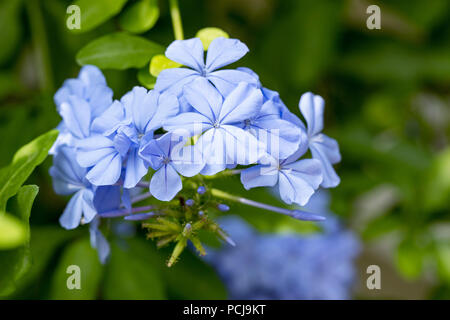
81	254
24	162
13	233
192	278
16	263
133	274
437	190
145	78
207	35
160	62
443	261
10	22
119	51
409	259
140	17
94	13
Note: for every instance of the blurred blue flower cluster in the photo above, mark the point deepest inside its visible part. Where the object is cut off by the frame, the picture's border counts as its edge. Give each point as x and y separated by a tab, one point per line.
197	120
288	266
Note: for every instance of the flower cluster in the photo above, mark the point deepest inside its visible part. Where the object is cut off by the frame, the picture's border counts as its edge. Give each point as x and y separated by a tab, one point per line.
288	266
198	120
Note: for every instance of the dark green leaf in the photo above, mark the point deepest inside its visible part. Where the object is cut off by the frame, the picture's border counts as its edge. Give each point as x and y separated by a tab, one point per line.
119	51
81	254
133	274
10	23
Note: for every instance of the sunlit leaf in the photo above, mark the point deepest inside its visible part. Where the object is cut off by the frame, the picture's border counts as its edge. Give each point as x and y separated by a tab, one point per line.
207	35
140	17
94	13
119	51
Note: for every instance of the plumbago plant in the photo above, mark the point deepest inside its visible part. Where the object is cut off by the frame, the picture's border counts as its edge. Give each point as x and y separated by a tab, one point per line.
152	156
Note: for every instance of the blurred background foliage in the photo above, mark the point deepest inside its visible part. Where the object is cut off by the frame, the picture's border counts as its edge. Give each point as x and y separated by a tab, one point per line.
387	96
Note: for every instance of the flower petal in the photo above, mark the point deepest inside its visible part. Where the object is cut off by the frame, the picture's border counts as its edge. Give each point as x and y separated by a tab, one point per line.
187	124
135	169
106	171
203	97
259	176
187	52
326	151
242	103
312	108
174	79
165	183
76	114
297	181
222	52
226	80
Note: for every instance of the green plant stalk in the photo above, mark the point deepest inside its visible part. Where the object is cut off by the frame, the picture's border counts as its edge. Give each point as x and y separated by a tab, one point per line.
227	196
176	19
40	44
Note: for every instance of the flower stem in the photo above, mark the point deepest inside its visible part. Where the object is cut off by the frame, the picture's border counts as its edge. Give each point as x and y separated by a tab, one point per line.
141	197
176	19
40	43
297	214
124	212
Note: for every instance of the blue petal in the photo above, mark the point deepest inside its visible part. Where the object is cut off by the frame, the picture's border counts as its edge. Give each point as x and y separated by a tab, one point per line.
222	52
100	100
298	180
242	103
226	80
312	108
241	147
140	106
76	114
259	176
135	169
107	198
71	216
167	108
98	241
165	183
188	124
187	52
93	149
186	160
89	211
152	154
106	171
326	150
282	138
211	145
111	119
68	176
174	79
204	98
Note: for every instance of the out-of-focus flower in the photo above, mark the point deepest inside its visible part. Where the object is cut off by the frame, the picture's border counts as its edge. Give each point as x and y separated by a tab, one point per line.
286	266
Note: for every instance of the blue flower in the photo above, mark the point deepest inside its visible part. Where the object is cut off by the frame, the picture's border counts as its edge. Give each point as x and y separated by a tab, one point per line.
285	266
296	179
222	142
281	137
69	179
170	158
323	148
221	52
98	241
79	101
126	125
87	200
